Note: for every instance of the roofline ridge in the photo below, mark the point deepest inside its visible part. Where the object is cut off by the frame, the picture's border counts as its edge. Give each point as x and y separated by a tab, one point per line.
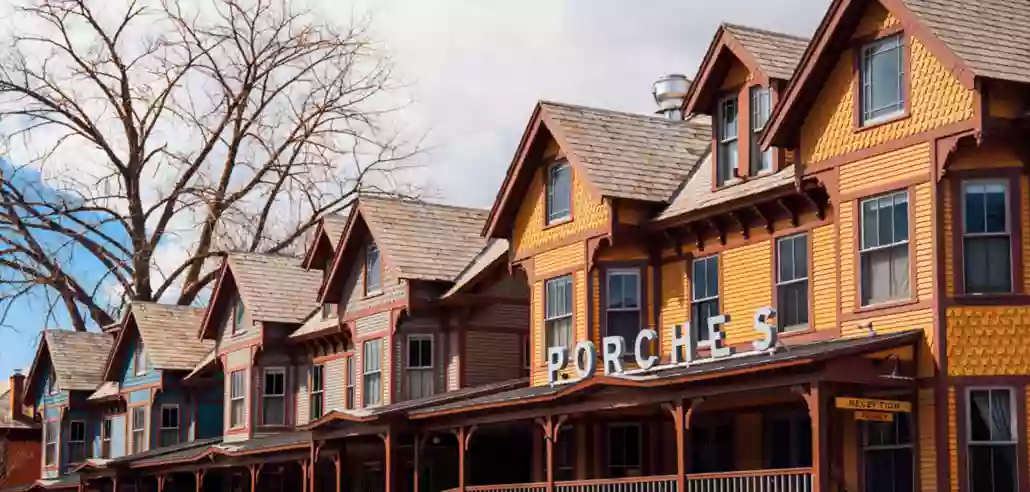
733	25
421	201
656	117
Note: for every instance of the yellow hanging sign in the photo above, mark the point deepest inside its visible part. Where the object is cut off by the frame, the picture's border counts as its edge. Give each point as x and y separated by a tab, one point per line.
874	416
874	405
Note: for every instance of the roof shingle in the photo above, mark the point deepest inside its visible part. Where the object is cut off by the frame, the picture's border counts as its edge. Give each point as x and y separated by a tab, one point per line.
275	288
169	333
777	53
697	193
626	155
79	358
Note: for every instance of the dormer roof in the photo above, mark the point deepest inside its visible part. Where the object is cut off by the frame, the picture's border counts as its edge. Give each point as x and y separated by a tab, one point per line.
169	333
79	359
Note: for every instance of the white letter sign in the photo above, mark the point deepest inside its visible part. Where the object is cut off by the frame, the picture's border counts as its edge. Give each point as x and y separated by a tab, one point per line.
716	337
645	363
762	326
557	359
614	347
682	339
585	352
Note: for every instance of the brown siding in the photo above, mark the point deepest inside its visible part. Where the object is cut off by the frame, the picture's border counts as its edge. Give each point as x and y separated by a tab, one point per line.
335	386
453	362
353	292
302	373
511	316
491	357
374	324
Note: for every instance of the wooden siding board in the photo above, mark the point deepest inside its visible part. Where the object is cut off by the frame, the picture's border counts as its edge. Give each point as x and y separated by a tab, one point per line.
824	277
889	323
952	440
948	231
988	340
1024	212
907	164
530	233
937	98
303	397
335	388
546	264
538	361
924	258
845	223
453	361
747	286
674	300
491	357
369	325
927	433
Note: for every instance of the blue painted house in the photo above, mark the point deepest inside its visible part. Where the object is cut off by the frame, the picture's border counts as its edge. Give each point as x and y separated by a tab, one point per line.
66	370
144	402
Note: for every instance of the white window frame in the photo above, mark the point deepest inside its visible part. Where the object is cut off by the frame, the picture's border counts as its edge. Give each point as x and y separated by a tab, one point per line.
241	398
266	396
371	290
557	216
725	140
51	442
865	79
367	372
782	283
422	368
81	443
316	394
1007	233
862	250
349	382
239	317
141	445
765	158
139	360
622	272
549	321
163	429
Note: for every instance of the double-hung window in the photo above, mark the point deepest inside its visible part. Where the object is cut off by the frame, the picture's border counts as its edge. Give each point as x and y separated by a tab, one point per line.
992	440
623	313
761	107
139	429
239	317
273	395
986	237
559	192
726	156
420	366
883	79
237	398
373	271
349	377
558	312
625	450
51	383
105	438
884	248
328	310
371	358
76	441
51	433
139	359
316	391
169	425
704	301
792	282
889	462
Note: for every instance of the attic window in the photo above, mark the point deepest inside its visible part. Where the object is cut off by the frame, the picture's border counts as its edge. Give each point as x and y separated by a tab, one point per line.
51	383
139	360
726	156
239	324
559	192
883	85
373	273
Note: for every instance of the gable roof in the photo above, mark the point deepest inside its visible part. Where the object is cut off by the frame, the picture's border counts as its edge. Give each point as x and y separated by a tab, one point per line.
328	233
274	289
696	195
79	358
494	253
777	53
621	155
169	333
985	38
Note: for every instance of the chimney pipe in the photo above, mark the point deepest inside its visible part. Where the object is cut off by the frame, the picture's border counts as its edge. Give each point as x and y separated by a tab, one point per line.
669	93
16	399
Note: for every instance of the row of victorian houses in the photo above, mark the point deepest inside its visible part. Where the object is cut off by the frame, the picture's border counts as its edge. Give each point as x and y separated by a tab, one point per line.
807	273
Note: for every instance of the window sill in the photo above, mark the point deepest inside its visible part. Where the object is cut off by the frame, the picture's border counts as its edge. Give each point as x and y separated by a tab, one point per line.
862	127
557	222
372	295
885	308
880	306
991	299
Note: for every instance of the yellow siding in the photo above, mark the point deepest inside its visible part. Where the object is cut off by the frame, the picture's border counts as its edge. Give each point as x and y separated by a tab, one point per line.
538	360
952	440
589	213
558	260
988	340
623	253
948	231
847	257
912	320
904	164
651	298
596	279
674	301
923	217
824	277
580	316
937	98
747	286
927	442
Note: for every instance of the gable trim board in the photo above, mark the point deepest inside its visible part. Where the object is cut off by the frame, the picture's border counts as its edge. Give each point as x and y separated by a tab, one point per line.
821	56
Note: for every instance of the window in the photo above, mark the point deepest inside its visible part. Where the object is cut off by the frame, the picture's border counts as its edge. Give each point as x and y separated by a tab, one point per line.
273	408
623	315
987	240
883	87
884	248
76	441
372	388
761	107
139	359
889	460
105	438
52	433
992	440
527	350
787	440
624	450
51	383
349	366
565	454
169	425
727	134
792	282
139	429
316	391
558	312
718	442
237	398
420	366
239	317
328	310
705	301
559	192
373	273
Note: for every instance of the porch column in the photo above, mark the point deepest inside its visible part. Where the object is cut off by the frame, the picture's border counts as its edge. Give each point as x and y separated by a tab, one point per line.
816	397
114	483
550	426
461	435
336	466
678	422
304	475
161	483
388	450
255	472
198	478
416	451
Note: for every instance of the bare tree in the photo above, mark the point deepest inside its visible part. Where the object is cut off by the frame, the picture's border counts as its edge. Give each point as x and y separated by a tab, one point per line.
149	139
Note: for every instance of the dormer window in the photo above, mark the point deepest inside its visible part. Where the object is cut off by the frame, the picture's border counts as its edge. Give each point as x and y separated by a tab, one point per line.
761	107
139	360
882	74
373	273
51	383
239	317
559	192
726	154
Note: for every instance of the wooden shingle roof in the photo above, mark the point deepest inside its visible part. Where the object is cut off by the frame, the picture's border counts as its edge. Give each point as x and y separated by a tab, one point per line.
424	241
777	53
333	226
169	333
79	358
627	155
274	288
696	195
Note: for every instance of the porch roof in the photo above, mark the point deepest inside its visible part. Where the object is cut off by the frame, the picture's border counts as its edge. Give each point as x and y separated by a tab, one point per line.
782	356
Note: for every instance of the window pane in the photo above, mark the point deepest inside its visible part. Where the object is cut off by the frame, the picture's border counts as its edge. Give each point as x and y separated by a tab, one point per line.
979	416
900	217
1001	417
988	264
800	243
995	207
870	215
975	206
785	258
712	276
698	280
885	221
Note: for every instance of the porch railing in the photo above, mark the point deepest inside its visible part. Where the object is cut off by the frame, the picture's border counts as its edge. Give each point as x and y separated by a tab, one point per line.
788	480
